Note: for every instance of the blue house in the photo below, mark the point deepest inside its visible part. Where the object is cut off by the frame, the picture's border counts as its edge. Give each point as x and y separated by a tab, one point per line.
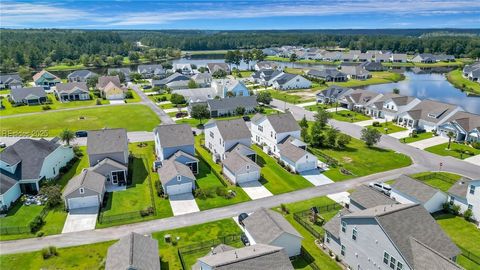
45	79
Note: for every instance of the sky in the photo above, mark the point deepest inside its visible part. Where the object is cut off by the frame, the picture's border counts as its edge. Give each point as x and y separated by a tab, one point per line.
240	15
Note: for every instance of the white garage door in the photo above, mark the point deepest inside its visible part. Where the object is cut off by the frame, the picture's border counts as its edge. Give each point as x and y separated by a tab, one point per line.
306	166
247	177
89	201
179	189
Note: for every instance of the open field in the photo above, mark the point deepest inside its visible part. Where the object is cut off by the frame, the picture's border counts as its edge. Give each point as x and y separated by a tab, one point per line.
293	97
438	64
64	67
455	77
378	77
440	180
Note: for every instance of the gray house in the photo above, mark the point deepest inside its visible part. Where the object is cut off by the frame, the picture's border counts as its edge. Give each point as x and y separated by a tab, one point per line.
124	71
239	166
268	227
28	96
373	66
10	81
174	81
253	257
110	145
202	79
427	115
176	178
134	251
81	75
227	106
464	125
328	75
84	190
332	94
212	67
72	91
398	236
365	197
149	71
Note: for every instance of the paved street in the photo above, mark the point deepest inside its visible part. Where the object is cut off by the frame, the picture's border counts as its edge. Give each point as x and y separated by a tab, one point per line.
145	100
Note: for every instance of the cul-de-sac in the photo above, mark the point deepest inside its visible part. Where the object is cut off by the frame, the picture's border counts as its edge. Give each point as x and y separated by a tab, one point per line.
220	135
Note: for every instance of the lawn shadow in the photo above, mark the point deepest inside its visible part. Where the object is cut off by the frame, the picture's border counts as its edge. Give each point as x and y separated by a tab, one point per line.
378	149
164	265
263	180
137	172
442	215
16	207
71	173
203	169
260	161
108	204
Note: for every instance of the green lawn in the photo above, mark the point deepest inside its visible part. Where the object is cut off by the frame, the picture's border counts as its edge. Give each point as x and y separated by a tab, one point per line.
207	180
349	116
321	259
378	77
412	64
64	67
361	160
456	78
419	137
94	118
464	234
276	178
314	108
388	127
436	180
80	257
306	61
290	97
4	91
457	150
195	122
135	98
193	235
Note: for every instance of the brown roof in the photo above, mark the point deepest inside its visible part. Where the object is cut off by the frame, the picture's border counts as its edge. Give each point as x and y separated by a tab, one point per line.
104	80
431	111
468	121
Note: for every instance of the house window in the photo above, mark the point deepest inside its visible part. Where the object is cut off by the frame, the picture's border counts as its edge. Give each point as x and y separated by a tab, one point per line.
386	258
211	134
399	266
260	128
81	190
248	167
452	200
470	206
393	262
354	234
179	178
344	226
343	250
271	134
472	189
328	238
209	145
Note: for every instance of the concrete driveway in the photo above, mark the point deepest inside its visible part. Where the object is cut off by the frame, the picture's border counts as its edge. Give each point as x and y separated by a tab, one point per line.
340	197
365	123
316	177
255	190
429	142
474	160
82	219
183	204
400	134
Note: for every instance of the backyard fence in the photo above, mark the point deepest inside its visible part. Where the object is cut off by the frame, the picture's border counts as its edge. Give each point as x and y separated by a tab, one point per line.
23	229
205	246
300	218
435	175
215	172
469	255
328	159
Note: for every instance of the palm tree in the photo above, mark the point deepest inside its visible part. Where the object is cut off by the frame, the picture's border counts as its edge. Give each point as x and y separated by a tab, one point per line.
67	135
450	135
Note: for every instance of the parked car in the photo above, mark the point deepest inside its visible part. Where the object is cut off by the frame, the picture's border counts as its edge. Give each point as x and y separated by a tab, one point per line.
246	118
241	218
147	87
245	240
382	187
2	145
81	133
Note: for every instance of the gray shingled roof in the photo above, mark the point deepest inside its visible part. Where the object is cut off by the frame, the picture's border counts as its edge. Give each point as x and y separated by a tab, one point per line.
107	141
31	153
7	181
104	80
285	77
234	129
87	179
334	91
291	151
171	168
212	67
283	122
368	197
134	251
425	258
83	73
232	103
255	257
9	78
18	94
69	87
235	162
175	77
175	135
265	225
333	225
468	121
460	188
426	107
414	188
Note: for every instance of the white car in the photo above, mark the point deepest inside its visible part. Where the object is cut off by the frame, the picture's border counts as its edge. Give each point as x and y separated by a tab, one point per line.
382	187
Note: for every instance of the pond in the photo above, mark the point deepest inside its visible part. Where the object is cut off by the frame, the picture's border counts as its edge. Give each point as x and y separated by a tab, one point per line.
430	86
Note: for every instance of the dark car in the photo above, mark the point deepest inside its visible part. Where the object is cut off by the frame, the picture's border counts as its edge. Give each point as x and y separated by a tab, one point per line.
244	239
241	218
81	133
246	118
147	87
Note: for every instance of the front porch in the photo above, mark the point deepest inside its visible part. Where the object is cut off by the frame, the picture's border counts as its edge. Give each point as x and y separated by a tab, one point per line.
74	97
407	123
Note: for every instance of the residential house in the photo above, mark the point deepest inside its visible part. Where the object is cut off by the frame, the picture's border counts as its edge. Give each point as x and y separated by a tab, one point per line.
202	79
230	87
472	72
250	257
372	66
134	251
212	67
332	56
45	79
239	165
108	154
223	135
111	88
327	74
293	153
10	81
81	75
266	77
464	193
197	95
125	71
267	65
176	178
464	125
398	58
28	96
445	58
174	81
183	68
431	58
332	94
268	227
24	164
398	236
427	115
389	106
364	57
358	100
84	190
349	57
288	81
270	51
72	91
355	72
366	197
228	106
407	190
382	58
150	71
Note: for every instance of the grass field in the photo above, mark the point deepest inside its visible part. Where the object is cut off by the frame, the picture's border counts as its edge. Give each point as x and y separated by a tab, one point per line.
378	77
306	61
93	118
64	67
419	137
436	179
388	127
455	77
349	116
412	64
290	96
457	150
276	179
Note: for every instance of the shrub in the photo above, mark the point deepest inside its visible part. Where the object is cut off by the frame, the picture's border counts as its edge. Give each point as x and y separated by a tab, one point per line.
146	212
181	114
46	107
48	252
455	209
129	94
36	224
284	208
446	206
159	188
221	191
40	234
468	214
476	145
200	193
53	194
99	101
376	124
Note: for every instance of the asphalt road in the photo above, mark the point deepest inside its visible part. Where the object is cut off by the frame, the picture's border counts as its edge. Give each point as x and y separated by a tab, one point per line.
145	100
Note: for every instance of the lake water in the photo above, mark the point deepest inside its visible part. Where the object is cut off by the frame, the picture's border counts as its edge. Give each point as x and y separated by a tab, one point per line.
430	86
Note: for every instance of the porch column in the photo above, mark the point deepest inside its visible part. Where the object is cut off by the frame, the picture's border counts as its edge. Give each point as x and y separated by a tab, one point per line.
37	186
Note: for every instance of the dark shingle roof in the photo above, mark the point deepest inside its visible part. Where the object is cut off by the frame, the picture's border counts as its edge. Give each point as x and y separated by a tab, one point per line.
286	77
414	188
368	197
426	258
107	141
7	181
18	94
333	225
174	135
105	80
134	251
9	78
232	103
266	225
291	151
334	91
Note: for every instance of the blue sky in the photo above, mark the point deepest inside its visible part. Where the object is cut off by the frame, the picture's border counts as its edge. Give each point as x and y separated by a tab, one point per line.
235	15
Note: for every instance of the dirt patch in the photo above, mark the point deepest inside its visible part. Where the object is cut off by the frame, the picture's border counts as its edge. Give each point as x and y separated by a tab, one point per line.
347	159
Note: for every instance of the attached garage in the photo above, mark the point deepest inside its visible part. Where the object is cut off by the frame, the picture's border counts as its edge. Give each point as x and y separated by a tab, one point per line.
179	189
84	190
83	202
176	178
306	166
240	169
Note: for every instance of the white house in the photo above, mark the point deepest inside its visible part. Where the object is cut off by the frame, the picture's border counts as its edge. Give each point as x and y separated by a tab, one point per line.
466	194
358	100
184	68
223	135
427	115
239	166
294	154
288	81
268	227
389	106
407	190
